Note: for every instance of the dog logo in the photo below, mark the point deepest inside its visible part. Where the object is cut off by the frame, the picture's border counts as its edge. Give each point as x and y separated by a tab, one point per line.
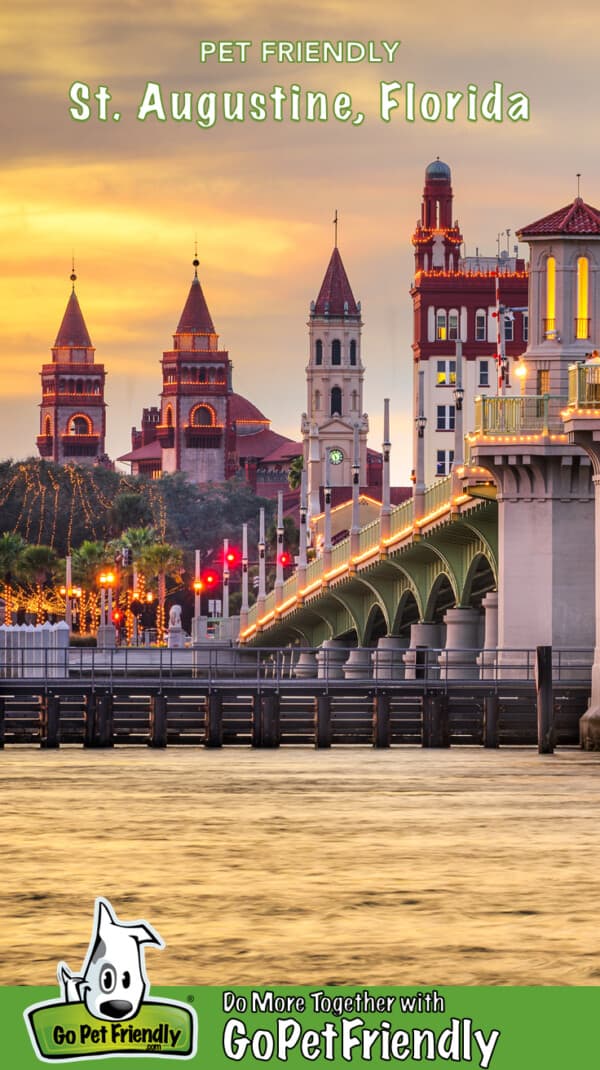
106	1009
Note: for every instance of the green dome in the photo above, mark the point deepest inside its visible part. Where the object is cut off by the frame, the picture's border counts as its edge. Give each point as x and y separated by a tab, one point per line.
438	170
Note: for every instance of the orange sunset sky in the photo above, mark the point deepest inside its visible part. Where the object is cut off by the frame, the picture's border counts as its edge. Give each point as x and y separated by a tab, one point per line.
129	197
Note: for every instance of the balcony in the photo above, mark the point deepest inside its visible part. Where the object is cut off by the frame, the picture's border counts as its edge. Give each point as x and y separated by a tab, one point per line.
165	435
550	329
582	329
528	415
584	386
203	437
80	445
45	445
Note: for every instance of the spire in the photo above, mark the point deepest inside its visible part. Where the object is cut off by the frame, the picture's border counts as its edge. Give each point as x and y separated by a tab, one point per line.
73	331
195	318
335	296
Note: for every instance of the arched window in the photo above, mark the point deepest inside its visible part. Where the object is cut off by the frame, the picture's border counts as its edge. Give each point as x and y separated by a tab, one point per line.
47	426
336	351
317	399
550	321
582	323
441	330
481	325
202	416
202	375
353	352
169	416
318	351
336	401
80	425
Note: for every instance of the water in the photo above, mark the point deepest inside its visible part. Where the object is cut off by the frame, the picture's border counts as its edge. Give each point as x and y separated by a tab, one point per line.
346	866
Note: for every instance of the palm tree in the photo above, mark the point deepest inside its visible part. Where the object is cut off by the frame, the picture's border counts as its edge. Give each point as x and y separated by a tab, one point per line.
138	540
11	548
88	560
295	472
37	565
160	560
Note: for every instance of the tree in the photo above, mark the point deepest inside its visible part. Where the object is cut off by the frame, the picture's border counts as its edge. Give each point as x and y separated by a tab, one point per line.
160	560
129	510
295	472
37	565
138	540
11	548
88	561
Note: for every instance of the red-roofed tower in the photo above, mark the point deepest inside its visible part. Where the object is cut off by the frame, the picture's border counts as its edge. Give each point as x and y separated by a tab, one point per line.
564	294
195	430
334	382
72	411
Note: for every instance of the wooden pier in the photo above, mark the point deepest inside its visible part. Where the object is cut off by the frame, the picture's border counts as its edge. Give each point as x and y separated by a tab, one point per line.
270	713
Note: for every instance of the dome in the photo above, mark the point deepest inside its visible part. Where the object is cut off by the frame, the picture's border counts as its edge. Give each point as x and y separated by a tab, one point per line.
438	170
242	410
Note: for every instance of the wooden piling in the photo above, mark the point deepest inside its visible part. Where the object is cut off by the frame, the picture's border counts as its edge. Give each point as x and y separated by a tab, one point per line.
104	720
544	694
271	719
50	722
436	723
382	735
158	721
213	729
256	730
2	722
89	715
491	718
323	720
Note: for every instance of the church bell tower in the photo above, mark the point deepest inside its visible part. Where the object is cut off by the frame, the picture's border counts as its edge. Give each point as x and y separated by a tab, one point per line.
334	383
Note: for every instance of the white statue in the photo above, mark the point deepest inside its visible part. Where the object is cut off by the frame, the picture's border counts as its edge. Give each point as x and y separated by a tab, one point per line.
175	617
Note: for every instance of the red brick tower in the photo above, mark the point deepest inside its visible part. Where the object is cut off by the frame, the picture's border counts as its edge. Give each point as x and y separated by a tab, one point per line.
72	411
195	430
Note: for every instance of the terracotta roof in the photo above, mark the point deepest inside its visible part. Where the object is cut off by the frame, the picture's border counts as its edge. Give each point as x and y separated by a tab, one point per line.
242	409
335	290
195	318
73	331
150	452
285	452
259	445
575	218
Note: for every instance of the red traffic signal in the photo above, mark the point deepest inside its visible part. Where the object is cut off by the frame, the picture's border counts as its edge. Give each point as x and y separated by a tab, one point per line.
117	616
285	558
232	558
210	579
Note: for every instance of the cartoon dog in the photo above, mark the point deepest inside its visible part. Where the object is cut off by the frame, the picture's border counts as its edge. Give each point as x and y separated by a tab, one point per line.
113	981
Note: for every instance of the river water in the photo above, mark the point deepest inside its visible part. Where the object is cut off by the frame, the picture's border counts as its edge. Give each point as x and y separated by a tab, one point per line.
347	866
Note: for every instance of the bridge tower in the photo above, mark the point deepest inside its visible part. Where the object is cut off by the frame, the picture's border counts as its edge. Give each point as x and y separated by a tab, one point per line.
334	385
545	493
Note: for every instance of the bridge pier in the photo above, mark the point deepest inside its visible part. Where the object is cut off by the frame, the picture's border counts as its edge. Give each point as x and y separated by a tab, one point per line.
427	636
545	545
458	660
388	663
488	657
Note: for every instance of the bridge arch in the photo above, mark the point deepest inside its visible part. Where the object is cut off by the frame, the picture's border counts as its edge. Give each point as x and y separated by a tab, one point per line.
442	597
479	580
407	613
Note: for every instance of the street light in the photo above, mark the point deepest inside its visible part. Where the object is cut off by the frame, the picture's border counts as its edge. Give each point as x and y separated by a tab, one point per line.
459	394
421	423
521	374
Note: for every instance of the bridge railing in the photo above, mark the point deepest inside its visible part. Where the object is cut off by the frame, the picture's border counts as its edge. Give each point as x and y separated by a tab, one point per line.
584	385
336	664
529	414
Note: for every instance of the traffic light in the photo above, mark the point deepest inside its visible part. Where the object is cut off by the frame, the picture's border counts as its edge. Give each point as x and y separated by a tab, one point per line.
285	558
232	558
117	616
126	556
210	580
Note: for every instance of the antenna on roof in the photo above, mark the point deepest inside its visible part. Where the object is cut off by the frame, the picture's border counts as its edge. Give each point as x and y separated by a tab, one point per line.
578	183
73	276
335	226
195	261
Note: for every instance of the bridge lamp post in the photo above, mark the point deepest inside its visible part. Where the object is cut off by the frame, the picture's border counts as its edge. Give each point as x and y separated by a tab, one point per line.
420	424
521	374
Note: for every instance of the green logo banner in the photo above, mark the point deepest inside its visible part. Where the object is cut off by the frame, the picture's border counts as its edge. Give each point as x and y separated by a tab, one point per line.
308	1026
